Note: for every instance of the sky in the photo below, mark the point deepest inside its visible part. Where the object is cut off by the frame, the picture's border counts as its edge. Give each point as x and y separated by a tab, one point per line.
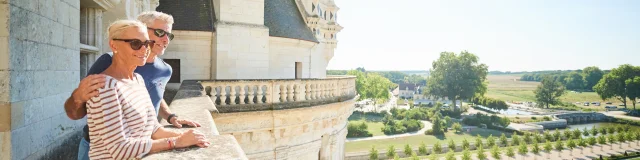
507	35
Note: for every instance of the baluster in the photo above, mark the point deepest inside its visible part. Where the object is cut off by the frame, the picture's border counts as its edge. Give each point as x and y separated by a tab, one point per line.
263	94
241	94
317	91
215	95
268	94
232	95
322	90
249	94
307	94
258	95
290	92
283	91
296	91
223	95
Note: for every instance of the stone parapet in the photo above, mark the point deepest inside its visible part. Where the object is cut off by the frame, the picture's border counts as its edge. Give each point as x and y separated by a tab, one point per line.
259	95
191	102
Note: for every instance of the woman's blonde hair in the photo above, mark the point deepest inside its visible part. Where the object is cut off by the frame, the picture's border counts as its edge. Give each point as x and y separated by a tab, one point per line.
116	28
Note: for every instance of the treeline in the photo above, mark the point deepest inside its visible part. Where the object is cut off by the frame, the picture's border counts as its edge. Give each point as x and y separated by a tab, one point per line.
490	103
396	77
579	80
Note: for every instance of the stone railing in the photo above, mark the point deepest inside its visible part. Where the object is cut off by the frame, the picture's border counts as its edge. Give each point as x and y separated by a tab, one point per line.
256	95
190	102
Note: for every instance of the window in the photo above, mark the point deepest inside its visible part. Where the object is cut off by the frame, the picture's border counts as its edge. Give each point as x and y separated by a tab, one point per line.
298	70
175	65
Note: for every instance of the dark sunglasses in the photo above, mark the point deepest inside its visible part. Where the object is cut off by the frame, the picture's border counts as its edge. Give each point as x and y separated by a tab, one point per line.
160	33
136	44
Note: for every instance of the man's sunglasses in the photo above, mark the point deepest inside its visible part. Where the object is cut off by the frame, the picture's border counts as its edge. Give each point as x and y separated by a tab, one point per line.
160	33
136	44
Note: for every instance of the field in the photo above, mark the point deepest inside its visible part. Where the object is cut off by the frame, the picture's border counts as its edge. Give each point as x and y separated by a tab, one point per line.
414	141
374	123
507	88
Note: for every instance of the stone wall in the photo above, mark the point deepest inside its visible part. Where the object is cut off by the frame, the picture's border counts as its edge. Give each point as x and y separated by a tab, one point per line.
193	48
316	132
284	53
43	54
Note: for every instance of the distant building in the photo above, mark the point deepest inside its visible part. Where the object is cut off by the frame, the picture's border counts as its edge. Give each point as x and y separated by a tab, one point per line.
407	90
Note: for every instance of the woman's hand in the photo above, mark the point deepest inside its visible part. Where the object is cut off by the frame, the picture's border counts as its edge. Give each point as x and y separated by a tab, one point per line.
191	137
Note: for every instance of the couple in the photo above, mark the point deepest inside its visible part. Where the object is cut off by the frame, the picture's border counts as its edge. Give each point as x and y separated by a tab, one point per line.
123	95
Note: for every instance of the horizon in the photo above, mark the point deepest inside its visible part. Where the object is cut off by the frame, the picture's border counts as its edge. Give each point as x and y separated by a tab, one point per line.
515	36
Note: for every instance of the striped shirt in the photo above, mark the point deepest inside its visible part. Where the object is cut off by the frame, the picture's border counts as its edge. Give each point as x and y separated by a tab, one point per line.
121	120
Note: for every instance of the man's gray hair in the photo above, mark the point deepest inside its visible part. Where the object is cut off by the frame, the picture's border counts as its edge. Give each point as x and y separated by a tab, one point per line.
150	16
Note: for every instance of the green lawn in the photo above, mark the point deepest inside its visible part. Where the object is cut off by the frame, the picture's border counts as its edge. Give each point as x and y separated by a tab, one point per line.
374	123
375	128
414	141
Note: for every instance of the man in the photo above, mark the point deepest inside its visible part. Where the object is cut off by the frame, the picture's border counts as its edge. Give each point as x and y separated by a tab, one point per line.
155	72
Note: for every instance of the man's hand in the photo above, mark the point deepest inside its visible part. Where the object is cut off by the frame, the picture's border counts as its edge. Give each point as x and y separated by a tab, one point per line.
88	88
179	122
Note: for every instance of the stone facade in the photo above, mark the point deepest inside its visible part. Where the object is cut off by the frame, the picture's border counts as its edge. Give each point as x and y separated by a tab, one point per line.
46	46
241	46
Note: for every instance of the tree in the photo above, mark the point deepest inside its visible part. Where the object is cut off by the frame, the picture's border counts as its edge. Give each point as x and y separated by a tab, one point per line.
457	76
373	153
457	127
515	140
568	134
437	148
547	148
577	133
527	137
591	141
481	154
556	135
414	156
603	130
465	144
377	88
602	141
592	75
559	146
585	132
491	141
452	145
447	119
613	84
612	139
571	144
437	126
621	138
503	140
422	149
535	149
407	150
574	81
478	141
547	136
522	149
633	89
495	152
450	155
361	79
538	138
433	157
510	152
548	92
582	143
594	131
391	151
466	155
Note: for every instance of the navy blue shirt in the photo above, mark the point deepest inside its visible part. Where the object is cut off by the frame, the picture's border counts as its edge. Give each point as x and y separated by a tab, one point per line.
156	76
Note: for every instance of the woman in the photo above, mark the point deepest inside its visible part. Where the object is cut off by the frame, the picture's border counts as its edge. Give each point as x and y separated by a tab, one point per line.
122	121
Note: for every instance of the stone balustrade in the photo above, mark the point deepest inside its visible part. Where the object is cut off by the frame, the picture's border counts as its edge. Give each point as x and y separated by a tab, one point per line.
192	103
256	95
